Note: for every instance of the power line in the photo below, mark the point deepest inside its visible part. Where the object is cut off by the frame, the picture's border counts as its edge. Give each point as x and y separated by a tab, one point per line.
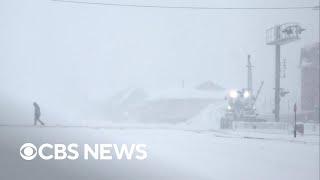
187	7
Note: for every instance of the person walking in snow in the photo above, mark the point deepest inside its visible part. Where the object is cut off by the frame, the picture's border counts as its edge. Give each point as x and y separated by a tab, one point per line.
37	114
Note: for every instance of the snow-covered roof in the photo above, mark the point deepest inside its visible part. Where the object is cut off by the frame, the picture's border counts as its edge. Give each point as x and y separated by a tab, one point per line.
186	93
206	90
209	86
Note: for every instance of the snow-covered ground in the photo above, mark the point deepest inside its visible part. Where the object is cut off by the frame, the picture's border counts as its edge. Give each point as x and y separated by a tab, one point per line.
174	152
193	149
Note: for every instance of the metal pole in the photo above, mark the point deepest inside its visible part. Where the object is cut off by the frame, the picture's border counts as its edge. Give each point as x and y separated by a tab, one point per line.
295	120
277	85
249	86
288	120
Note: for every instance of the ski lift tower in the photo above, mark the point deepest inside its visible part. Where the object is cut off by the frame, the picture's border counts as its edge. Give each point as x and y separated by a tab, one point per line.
279	35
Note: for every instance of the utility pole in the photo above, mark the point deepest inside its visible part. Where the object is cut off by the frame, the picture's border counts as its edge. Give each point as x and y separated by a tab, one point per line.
277	36
288	110
249	86
277	84
295	120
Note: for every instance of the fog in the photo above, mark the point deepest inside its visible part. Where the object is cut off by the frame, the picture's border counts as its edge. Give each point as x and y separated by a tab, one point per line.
72	58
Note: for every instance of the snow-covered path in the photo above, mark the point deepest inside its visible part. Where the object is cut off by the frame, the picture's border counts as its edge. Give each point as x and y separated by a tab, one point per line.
172	154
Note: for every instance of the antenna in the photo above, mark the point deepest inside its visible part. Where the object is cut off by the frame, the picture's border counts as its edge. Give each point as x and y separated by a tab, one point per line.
249	87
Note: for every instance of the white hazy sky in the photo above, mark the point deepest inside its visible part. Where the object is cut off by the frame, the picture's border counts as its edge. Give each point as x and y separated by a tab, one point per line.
61	52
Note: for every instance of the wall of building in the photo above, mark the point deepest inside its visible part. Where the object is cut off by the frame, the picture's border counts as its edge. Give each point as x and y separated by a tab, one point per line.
309	65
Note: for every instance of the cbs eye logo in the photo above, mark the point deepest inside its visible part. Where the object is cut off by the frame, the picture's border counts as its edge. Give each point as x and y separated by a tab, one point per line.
28	151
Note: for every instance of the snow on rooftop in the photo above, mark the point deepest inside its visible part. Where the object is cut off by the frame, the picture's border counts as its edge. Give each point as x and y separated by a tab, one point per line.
186	93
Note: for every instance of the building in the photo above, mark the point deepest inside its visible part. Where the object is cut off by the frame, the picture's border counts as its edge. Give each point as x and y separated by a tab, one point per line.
171	105
309	65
